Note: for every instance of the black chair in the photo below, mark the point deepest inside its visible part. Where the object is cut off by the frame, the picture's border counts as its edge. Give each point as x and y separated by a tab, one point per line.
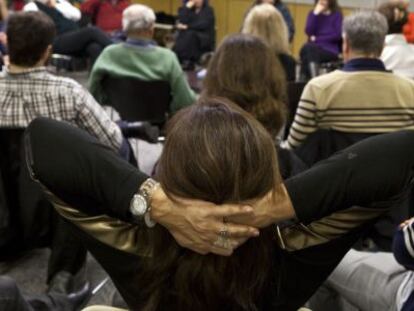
294	91
137	100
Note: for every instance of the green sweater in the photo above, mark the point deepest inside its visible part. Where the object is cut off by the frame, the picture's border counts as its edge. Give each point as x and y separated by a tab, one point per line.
144	63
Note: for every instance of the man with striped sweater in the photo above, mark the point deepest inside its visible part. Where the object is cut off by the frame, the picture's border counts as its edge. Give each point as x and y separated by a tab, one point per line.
363	97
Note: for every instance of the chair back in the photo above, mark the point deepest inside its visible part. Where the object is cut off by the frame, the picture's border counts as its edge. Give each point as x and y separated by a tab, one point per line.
21	199
294	91
137	100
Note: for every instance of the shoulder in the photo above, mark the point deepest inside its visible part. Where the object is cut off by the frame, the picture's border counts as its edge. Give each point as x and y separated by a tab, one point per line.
65	84
325	81
31	6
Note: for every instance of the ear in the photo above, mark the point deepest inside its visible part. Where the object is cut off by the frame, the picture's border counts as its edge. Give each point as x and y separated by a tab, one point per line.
47	54
345	46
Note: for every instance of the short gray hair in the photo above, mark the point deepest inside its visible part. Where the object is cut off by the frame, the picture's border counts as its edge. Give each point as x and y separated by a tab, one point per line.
138	17
366	31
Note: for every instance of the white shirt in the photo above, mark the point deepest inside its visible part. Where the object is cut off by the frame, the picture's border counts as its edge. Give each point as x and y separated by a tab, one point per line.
398	55
63	6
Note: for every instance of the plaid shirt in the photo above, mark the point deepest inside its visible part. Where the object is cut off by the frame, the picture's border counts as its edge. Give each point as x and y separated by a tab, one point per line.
35	92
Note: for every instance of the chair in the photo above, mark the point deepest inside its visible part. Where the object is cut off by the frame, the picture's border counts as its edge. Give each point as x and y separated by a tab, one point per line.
294	91
68	63
19	193
137	100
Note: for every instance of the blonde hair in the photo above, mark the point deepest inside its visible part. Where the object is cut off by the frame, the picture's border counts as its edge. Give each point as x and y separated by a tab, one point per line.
266	22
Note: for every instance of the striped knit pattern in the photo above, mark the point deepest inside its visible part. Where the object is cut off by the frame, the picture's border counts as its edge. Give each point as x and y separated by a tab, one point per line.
354	102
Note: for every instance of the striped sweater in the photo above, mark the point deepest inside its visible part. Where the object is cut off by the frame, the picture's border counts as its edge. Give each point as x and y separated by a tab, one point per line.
355	101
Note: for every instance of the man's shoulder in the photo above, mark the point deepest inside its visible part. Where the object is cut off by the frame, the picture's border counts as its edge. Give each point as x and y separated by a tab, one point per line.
327	80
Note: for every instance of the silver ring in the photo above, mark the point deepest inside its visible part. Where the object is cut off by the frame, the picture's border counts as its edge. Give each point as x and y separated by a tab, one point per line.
223	243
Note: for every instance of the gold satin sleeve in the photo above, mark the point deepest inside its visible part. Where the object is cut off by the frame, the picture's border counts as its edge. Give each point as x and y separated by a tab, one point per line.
123	236
302	236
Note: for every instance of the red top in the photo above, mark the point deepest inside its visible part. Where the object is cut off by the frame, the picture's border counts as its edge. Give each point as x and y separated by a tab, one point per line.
106	14
409	28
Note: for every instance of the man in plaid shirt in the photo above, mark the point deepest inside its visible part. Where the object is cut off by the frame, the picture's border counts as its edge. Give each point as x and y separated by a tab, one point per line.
28	91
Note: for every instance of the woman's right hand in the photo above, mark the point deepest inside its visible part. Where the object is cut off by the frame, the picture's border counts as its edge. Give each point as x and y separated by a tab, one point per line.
196	225
320	8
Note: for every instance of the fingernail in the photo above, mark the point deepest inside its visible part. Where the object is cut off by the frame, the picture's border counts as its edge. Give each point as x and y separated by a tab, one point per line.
256	232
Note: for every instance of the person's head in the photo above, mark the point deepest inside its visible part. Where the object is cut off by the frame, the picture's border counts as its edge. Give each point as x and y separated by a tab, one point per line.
138	21
396	15
257	2
246	71
332	5
267	23
404	3
30	36
364	35
198	3
214	151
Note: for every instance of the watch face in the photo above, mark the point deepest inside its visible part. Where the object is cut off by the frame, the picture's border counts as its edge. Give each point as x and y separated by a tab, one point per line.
139	205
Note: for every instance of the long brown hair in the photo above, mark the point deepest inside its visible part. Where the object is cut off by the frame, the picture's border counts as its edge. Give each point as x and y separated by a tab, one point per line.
245	70
217	152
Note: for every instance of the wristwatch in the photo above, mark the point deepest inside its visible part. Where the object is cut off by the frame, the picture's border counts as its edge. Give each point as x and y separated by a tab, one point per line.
140	206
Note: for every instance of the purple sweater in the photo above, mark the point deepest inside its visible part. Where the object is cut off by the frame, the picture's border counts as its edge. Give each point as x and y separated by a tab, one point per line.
327	29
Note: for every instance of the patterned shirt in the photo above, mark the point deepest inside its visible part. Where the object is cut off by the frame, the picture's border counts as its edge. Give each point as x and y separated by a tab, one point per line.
36	93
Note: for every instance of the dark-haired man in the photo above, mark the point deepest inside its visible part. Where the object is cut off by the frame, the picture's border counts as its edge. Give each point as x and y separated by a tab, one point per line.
28	91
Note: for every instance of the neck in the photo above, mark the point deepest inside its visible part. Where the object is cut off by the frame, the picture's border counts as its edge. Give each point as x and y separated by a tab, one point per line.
13	68
353	56
140	36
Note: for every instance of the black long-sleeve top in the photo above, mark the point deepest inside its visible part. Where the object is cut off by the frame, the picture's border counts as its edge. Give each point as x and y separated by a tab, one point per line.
95	187
202	22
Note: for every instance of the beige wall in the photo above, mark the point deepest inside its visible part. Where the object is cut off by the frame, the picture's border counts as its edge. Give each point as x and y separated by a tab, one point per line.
230	14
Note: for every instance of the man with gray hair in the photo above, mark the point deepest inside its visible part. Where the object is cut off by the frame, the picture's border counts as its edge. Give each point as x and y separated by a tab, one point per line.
140	57
363	97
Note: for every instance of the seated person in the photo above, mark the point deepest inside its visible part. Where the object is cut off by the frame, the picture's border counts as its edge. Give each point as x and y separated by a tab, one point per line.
106	14
4	12
324	30
196	32
28	91
408	29
70	38
284	10
217	152
140	57
265	22
366	281
363	97
398	55
257	85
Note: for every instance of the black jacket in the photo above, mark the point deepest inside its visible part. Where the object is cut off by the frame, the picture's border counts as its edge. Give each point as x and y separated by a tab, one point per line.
92	188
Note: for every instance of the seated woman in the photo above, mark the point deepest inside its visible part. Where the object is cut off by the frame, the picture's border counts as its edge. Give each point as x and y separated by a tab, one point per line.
284	10
398	54
217	152
257	85
70	39
265	22
196	32
324	30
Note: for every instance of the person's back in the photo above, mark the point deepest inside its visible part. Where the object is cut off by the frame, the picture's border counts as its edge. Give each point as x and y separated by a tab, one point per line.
363	97
142	59
28	91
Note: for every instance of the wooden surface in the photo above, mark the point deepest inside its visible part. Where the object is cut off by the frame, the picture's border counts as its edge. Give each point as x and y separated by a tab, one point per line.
230	14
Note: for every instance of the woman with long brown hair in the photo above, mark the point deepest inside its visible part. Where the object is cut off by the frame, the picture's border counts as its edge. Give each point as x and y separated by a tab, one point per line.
265	22
257	84
217	152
